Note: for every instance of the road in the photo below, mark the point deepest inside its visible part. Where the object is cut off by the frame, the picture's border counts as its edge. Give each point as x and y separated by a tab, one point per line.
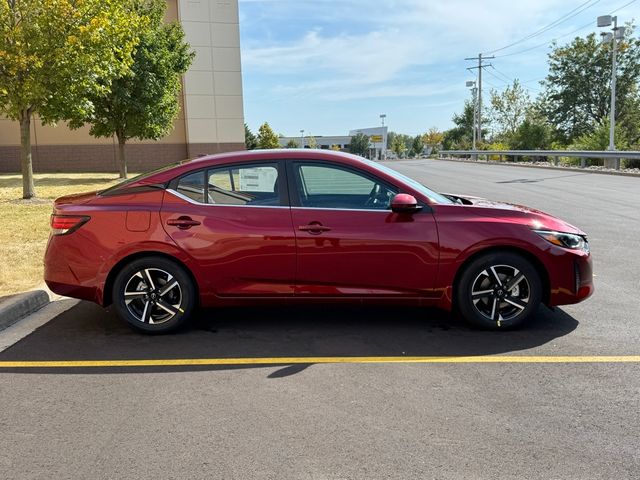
509	420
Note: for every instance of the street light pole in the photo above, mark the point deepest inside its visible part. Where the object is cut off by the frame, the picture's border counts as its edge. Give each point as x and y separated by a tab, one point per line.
301	138
474	91
618	34
383	150
614	75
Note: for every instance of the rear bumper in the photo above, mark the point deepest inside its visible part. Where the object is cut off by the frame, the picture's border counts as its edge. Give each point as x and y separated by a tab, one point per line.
62	275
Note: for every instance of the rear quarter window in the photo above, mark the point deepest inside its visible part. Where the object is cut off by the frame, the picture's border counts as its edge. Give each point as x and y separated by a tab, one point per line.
193	186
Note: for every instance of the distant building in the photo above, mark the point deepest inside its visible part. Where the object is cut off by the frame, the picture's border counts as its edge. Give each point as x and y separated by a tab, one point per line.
211	119
377	141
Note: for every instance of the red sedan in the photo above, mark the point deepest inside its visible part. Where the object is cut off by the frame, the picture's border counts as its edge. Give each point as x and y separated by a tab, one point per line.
289	226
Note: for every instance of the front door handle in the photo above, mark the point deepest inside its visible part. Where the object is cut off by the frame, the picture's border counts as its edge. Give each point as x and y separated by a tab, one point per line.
183	222
314	228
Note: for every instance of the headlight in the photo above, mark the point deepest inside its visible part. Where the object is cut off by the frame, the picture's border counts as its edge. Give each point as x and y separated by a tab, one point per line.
566	240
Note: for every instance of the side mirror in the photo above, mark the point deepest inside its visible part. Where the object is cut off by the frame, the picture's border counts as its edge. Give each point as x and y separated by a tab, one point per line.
405	203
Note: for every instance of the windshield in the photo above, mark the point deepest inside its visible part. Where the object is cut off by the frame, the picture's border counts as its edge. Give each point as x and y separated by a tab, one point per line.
427	192
142	176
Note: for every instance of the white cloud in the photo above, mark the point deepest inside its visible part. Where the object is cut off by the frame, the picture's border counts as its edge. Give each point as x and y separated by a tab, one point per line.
411	52
402	34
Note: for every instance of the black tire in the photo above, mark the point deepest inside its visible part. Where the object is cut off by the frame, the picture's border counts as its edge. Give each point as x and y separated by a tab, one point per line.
154	305
498	291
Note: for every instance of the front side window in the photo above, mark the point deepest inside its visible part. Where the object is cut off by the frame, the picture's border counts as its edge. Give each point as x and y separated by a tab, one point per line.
326	186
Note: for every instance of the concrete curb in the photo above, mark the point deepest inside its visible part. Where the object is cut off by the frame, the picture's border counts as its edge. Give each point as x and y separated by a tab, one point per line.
22	305
542	167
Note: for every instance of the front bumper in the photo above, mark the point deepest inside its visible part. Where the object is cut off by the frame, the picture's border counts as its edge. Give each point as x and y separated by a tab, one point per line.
575	283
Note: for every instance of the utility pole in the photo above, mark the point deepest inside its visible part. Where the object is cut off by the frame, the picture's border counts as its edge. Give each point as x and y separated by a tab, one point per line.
480	66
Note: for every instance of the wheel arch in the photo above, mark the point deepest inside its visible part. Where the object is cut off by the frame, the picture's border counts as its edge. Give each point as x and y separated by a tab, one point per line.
537	264
113	273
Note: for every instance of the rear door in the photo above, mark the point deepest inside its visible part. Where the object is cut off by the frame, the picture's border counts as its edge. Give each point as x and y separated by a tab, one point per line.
349	241
235	221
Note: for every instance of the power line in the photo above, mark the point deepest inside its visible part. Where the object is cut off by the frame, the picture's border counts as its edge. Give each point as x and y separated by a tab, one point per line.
492	85
562	36
576	11
510	81
502	74
497	77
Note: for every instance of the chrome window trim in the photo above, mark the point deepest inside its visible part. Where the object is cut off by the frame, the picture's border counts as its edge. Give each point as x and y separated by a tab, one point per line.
344	209
192	201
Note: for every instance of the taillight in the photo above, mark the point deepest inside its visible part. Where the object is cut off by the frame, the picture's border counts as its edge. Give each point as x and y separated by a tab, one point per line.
63	224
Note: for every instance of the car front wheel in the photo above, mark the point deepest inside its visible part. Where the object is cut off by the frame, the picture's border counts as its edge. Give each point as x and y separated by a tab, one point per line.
498	291
154	295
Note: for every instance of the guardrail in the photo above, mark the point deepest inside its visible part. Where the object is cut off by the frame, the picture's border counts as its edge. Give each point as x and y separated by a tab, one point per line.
583	155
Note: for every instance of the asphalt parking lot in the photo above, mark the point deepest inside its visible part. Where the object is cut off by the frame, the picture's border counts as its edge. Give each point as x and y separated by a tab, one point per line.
267	419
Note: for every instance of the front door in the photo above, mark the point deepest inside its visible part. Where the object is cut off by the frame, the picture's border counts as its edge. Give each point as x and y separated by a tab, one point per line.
348	240
235	222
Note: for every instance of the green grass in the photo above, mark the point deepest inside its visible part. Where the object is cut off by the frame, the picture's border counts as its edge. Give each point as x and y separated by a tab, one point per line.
25	223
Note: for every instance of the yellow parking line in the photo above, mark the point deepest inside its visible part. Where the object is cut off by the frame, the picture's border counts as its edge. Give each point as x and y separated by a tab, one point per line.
193	362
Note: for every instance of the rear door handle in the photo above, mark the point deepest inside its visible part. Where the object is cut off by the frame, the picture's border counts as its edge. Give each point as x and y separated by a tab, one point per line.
182	223
314	228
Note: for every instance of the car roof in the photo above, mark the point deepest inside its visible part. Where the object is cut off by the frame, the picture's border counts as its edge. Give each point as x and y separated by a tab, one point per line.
243	156
281	153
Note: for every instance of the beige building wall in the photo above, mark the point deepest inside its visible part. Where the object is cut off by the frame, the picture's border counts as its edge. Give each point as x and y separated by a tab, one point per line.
211	119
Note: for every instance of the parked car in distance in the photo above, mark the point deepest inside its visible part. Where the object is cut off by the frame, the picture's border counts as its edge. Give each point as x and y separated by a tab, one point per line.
295	226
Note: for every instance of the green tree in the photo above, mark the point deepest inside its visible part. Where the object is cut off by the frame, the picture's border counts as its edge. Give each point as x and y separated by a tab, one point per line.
390	136
292	144
359	144
250	140
460	136
394	138
628	124
576	95
433	138
398	146
508	108
144	103
267	138
598	139
54	54
417	146
531	134
311	142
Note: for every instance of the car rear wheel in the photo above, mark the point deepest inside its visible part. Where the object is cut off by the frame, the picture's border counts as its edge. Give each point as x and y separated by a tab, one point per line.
154	295
498	291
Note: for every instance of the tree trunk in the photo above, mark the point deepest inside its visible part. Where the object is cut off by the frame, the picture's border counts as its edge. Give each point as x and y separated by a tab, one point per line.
122	159
28	188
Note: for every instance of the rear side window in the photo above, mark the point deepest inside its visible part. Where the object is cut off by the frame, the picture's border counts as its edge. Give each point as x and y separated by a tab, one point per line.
193	186
250	185
244	185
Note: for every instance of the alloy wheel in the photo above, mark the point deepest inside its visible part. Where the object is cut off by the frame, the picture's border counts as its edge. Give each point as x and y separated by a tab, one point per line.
500	293
153	296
